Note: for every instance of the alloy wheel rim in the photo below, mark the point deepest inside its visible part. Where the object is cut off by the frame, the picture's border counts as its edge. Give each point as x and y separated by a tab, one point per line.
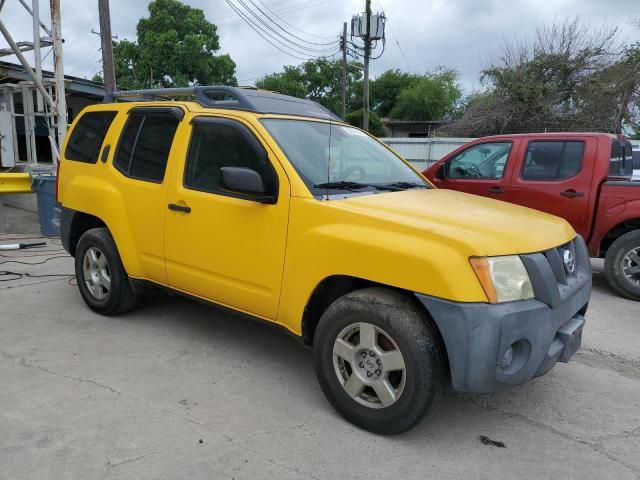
631	266
369	365
97	276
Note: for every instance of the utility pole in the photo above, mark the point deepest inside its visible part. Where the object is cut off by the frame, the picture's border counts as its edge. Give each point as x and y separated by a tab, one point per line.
107	46
367	54
343	46
37	58
58	70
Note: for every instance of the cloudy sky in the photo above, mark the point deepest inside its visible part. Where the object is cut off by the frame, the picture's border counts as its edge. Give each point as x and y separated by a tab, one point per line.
421	34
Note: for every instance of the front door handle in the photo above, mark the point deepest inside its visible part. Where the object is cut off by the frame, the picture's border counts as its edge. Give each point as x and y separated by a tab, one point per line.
571	194
495	190
179	208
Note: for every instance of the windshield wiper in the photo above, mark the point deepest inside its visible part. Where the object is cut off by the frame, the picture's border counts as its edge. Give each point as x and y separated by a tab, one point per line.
342	185
406	185
346	185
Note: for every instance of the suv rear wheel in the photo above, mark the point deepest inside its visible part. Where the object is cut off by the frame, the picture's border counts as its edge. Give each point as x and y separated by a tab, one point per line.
380	360
622	265
102	280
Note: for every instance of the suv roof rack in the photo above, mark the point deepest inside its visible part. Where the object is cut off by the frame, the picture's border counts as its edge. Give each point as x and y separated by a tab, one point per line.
233	98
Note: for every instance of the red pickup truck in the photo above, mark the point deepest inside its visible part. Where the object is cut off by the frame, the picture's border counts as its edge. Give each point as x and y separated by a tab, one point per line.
584	178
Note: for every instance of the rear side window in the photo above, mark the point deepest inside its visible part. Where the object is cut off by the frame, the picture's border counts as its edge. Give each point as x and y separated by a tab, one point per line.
144	146
553	160
621	159
87	136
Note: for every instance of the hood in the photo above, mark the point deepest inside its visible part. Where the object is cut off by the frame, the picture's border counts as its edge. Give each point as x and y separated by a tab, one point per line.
483	225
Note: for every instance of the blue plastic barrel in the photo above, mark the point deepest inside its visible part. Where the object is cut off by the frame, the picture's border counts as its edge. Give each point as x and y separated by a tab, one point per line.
45	187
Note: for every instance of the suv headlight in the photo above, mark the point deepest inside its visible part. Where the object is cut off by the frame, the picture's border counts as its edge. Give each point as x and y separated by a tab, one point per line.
503	279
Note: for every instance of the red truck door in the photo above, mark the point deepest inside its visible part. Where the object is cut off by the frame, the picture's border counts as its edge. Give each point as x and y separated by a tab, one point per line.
482	169
554	176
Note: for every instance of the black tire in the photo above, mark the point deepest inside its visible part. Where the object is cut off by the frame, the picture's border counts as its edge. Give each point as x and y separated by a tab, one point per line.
614	264
400	317
119	297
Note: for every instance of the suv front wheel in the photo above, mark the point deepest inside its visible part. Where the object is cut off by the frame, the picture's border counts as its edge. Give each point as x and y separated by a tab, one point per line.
380	360
102	280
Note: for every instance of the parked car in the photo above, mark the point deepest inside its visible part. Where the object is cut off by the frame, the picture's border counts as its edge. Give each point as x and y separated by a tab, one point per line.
584	178
270	206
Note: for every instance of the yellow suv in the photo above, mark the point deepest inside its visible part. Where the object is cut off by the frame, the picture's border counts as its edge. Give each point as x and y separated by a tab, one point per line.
271	206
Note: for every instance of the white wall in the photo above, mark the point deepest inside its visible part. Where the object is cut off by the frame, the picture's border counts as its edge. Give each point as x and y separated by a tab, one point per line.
422	152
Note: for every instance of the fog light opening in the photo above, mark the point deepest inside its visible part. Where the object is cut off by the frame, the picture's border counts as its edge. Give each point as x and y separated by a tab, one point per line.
515	356
507	358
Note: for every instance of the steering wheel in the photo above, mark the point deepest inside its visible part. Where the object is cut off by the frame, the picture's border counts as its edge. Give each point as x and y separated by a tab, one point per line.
346	173
473	168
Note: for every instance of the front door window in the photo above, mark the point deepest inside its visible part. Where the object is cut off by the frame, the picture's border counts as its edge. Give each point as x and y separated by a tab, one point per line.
483	161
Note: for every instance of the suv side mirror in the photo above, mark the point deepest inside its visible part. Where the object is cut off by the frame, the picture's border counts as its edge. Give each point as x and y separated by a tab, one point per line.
245	180
442	171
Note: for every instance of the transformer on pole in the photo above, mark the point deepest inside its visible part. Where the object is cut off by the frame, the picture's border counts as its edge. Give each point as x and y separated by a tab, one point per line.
370	29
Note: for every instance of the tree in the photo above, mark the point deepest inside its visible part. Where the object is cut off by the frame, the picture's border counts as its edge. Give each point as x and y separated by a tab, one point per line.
318	80
571	78
385	89
430	97
175	47
376	127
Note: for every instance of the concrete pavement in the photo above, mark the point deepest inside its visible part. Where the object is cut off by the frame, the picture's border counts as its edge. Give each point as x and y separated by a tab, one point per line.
177	389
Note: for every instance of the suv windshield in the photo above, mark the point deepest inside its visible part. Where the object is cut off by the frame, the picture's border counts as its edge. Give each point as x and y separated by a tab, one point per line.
349	160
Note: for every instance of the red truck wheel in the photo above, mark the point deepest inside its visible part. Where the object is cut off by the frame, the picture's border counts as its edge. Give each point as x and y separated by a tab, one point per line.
622	265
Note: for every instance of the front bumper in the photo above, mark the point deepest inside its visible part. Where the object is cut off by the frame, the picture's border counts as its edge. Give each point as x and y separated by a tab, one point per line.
493	346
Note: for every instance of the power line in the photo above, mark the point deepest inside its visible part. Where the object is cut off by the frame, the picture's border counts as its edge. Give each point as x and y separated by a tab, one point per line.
285	42
266	36
395	37
292	44
335	42
293	26
233	17
290	9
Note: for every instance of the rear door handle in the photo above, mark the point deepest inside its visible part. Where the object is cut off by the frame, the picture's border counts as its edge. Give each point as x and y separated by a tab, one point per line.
495	190
571	194
179	208
105	153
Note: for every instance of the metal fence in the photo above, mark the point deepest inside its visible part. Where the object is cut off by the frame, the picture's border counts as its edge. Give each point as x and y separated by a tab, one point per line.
422	152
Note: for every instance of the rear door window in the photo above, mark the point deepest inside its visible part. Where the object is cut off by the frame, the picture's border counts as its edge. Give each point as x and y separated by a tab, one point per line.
144	146
621	159
552	161
86	139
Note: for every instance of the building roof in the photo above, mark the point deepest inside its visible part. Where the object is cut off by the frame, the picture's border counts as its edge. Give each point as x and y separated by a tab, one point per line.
11	71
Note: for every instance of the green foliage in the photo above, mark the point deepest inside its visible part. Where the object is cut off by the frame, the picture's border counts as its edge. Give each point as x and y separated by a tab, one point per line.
401	95
175	47
288	82
376	127
384	90
318	80
430	97
570	79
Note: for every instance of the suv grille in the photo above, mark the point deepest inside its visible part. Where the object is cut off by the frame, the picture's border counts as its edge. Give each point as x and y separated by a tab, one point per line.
557	272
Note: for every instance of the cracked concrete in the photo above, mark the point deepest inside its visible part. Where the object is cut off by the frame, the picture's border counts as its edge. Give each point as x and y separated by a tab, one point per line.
180	390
